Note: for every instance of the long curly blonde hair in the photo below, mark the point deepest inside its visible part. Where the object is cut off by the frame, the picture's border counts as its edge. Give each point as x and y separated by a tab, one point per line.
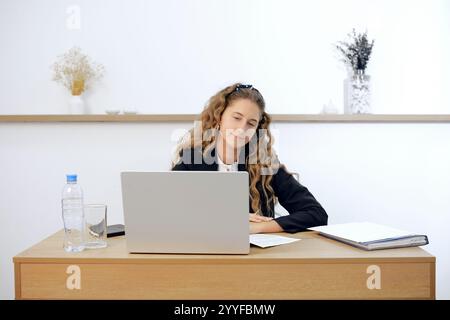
261	161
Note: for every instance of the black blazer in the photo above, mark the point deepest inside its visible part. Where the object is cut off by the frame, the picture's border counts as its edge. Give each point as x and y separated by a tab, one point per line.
304	210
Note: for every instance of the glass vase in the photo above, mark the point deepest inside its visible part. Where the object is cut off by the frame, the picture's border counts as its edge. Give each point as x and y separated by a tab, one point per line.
357	94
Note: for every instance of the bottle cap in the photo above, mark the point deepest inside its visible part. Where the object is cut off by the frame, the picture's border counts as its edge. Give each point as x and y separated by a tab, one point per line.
71	177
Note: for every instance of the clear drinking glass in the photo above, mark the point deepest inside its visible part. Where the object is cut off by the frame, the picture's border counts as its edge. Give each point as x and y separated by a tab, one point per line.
95	219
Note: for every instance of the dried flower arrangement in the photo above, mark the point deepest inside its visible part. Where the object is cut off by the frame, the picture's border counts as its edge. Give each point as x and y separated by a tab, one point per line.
75	71
356	53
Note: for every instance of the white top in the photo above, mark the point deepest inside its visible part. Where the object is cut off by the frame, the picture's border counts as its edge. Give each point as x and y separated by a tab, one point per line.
227	167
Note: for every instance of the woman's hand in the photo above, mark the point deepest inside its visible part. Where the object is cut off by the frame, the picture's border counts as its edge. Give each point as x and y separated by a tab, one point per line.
261	224
255	227
257	218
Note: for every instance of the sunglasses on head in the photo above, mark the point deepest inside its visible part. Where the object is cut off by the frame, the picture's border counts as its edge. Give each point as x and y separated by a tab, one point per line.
243	86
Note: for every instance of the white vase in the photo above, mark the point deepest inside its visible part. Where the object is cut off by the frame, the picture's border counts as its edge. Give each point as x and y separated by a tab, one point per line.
357	94
76	105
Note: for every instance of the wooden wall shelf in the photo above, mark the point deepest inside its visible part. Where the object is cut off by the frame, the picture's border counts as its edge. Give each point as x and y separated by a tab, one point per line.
192	117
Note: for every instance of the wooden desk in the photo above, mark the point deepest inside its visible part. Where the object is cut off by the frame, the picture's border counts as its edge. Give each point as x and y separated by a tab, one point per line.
313	268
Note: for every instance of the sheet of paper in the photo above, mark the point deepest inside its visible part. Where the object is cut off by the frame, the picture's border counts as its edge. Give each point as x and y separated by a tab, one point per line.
268	240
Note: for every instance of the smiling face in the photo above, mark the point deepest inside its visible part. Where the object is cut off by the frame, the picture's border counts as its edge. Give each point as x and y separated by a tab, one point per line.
239	122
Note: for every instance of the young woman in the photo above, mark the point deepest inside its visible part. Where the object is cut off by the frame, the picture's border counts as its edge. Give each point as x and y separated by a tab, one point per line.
233	135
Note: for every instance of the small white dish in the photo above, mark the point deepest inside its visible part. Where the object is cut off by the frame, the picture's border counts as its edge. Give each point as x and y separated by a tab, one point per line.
129	112
112	111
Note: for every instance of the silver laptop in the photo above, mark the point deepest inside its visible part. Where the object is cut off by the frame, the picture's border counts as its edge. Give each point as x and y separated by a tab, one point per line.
186	212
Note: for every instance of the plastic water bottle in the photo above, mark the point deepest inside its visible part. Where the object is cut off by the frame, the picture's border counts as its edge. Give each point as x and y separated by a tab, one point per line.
73	215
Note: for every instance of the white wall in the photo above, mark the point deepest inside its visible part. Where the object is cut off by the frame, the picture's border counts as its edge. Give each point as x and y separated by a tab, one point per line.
395	174
170	56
